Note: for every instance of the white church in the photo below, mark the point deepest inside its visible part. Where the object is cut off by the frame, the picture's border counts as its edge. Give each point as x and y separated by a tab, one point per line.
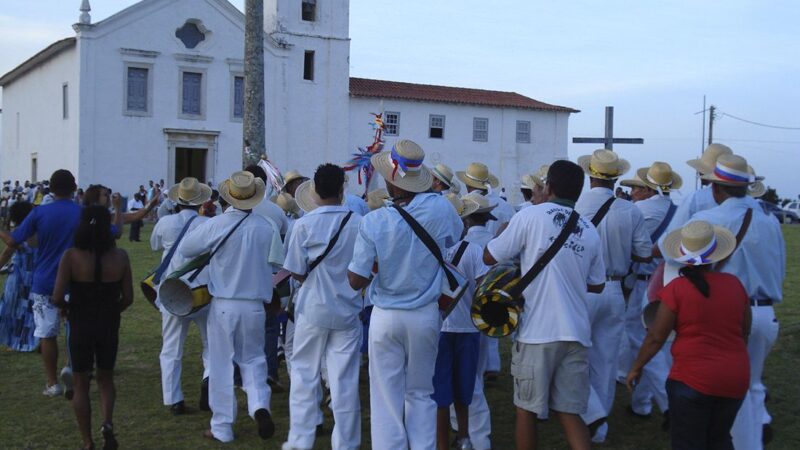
156	91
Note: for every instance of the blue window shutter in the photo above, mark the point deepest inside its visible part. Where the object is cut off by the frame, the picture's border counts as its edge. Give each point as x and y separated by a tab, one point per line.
137	89
192	84
238	97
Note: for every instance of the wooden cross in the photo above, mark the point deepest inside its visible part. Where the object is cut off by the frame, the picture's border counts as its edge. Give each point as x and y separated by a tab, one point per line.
608	140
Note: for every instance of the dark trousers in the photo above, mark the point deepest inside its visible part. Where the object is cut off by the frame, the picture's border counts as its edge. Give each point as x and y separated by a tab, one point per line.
272	328
699	421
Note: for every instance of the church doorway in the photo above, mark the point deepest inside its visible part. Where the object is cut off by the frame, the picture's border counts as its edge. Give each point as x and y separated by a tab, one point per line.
190	162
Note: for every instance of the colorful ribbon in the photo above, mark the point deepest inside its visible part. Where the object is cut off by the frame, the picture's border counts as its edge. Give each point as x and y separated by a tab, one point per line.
403	165
698	257
732	175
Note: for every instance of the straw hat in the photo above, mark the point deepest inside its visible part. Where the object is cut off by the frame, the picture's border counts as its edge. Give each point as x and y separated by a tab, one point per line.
291	176
604	164
660	176
730	170
526	182
455	186
477	175
402	166
306	196
484	206
463	207
443	173
242	190
699	243
376	198
189	192
705	164
287	203
633	182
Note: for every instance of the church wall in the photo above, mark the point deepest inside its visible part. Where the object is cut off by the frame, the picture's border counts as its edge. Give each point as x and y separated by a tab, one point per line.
506	158
33	121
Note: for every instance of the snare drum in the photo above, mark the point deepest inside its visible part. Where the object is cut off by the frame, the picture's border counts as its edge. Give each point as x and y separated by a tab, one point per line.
494	311
179	294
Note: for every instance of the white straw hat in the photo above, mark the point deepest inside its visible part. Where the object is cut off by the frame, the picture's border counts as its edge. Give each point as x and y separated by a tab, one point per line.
604	164
402	166
699	243
463	207
660	176
306	196
376	198
242	190
730	170
443	173
189	192
705	164
478	176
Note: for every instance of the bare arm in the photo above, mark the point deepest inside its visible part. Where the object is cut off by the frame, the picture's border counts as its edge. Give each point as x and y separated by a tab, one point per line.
357	282
130	217
127	284
62	280
116	201
656	336
5	236
298	277
488	259
8	252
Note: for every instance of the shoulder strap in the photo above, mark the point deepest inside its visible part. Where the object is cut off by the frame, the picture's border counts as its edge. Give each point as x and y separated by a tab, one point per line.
547	256
459	253
163	267
664	223
601	213
219	246
328	249
429	243
748	217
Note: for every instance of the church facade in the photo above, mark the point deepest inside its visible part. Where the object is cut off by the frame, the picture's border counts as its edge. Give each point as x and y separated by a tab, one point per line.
157	91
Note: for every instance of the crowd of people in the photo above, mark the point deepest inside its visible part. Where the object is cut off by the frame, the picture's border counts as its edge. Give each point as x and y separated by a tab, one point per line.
378	275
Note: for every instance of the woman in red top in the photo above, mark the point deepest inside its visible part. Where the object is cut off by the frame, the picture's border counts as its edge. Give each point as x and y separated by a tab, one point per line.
710	314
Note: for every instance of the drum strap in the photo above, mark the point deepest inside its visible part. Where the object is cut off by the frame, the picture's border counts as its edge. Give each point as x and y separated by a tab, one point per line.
601	213
664	223
163	267
429	242
214	252
547	256
328	249
748	217
459	253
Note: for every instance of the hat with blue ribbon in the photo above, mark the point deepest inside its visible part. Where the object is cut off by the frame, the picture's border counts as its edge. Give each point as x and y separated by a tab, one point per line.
730	170
402	166
699	243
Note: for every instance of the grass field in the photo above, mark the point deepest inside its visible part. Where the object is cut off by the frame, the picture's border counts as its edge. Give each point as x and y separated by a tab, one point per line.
29	420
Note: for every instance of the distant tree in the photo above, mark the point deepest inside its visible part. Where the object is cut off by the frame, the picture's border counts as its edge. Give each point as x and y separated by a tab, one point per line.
771	196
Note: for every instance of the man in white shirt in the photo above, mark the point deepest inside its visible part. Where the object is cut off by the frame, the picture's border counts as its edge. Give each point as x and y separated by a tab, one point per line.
478	178
550	353
701	199
405	322
240	280
624	239
326	315
458	358
650	190
188	195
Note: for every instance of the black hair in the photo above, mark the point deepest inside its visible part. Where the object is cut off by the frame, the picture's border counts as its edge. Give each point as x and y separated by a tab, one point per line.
565	179
179	207
696	275
734	191
328	181
214	194
92	194
19	211
62	183
527	194
94	230
257	172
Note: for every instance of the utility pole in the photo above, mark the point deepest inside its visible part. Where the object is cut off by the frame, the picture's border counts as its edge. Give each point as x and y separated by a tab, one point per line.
254	144
711	117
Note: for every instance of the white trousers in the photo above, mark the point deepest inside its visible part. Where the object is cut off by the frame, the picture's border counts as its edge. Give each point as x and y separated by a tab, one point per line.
747	428
607	317
480	419
342	350
288	351
402	356
652	386
236	335
173	331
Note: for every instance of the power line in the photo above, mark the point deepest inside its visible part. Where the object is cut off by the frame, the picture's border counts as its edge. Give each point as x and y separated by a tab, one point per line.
758	123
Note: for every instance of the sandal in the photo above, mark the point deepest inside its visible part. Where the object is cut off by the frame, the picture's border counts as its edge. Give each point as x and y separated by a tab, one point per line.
109	441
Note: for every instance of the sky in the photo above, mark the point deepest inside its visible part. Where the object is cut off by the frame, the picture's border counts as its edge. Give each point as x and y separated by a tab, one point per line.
652	61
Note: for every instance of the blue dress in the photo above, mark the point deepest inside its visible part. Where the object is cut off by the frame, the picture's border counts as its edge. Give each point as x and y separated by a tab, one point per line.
16	314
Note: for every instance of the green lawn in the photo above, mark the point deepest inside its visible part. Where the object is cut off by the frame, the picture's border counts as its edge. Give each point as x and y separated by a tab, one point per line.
29	420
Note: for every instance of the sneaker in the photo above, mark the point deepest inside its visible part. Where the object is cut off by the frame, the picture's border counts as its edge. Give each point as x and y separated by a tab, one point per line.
266	428
66	379
464	444
53	391
178	408
204	396
109	441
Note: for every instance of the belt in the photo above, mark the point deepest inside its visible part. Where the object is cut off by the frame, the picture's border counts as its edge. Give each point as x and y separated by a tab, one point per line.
764	302
642	277
614	277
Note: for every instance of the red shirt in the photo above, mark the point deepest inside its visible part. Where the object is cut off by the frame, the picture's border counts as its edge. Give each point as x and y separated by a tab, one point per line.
709	352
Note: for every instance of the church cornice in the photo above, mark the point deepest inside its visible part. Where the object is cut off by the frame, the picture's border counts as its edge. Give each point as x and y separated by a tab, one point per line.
139	53
188	57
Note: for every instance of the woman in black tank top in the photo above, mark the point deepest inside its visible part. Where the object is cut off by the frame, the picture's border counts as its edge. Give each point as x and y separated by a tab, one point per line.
97	276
